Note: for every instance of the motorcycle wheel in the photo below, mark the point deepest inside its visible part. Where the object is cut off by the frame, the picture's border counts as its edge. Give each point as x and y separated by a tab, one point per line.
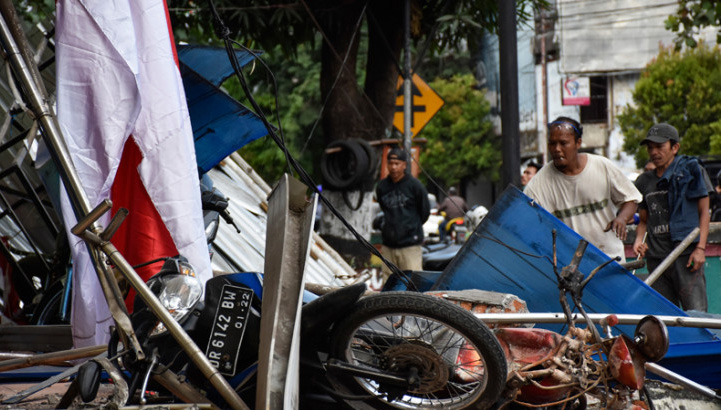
459	361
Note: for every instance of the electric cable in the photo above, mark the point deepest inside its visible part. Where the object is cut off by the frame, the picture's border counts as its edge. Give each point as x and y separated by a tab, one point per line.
335	82
335	53
224	33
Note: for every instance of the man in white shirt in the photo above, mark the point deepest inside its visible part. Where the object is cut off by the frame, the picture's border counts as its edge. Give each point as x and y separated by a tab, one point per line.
586	191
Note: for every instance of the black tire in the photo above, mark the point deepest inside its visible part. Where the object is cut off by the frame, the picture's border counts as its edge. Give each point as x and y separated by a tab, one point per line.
367	338
373	159
346	168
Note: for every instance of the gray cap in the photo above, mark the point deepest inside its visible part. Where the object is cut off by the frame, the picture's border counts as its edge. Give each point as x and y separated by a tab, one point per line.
661	133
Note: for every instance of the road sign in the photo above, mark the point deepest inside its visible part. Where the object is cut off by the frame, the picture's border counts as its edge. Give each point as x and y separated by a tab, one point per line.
425	103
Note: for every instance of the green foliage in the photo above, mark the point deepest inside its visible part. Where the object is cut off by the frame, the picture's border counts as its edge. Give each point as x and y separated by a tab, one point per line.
35	11
690	17
298	105
285	23
680	88
461	143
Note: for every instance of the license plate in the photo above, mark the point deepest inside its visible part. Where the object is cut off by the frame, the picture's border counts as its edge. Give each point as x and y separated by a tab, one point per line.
228	328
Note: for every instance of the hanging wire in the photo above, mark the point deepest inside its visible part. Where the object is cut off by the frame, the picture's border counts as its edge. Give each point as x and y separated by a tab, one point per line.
335	53
335	82
224	33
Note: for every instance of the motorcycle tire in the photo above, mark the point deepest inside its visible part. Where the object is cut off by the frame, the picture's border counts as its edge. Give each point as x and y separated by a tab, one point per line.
405	332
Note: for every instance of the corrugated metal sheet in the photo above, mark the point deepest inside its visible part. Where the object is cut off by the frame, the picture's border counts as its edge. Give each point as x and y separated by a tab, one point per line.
245	251
606	36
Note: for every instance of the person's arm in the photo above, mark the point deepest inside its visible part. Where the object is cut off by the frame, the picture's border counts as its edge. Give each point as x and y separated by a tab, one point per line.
698	256
639	245
618	224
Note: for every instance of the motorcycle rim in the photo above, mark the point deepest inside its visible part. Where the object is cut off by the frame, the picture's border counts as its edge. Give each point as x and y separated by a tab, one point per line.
458	359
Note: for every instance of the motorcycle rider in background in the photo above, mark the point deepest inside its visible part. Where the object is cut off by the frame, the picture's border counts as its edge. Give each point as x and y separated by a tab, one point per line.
454	207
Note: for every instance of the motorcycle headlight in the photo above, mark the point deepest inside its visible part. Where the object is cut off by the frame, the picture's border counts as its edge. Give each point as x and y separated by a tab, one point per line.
179	293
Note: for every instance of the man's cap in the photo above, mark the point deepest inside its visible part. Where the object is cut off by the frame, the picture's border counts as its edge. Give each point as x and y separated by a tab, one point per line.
397	153
661	133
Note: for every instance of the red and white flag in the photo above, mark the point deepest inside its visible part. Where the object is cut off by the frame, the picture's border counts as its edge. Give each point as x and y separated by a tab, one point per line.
123	114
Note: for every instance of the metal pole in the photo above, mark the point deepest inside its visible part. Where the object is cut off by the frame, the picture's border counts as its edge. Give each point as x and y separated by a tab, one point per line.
683	381
544	90
509	93
13	42
623	319
288	237
52	358
407	82
672	256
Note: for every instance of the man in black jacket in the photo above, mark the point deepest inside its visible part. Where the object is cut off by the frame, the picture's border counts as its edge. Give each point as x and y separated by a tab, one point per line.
404	201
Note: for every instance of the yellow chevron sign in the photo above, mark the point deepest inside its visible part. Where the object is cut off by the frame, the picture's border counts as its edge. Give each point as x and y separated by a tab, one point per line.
425	103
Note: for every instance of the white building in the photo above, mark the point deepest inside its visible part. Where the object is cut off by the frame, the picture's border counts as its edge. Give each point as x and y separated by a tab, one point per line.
593	49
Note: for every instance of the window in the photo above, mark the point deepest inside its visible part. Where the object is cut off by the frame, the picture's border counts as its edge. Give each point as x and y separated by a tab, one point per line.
597	112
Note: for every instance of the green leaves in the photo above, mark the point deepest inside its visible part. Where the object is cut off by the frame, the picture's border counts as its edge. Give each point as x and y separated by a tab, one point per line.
692	16
682	90
461	143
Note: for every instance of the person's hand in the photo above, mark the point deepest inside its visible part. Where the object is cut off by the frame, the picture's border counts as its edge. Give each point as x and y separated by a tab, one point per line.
619	228
640	248
696	260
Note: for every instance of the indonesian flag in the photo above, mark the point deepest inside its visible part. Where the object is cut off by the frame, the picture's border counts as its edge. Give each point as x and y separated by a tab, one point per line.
124	117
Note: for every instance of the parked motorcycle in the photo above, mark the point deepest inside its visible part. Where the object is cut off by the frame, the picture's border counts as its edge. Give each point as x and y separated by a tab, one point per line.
437	255
392	350
550	369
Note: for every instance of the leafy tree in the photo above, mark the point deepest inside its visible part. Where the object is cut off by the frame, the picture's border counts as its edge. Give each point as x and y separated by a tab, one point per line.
692	16
680	88
297	111
359	89
461	143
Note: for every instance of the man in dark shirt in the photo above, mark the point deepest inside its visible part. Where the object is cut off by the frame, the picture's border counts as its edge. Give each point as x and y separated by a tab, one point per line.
404	201
454	207
675	201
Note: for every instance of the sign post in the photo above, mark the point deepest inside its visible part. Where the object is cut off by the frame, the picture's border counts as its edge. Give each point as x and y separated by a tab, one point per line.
424	104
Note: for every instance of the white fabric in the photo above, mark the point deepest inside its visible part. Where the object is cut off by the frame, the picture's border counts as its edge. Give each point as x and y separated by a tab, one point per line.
588	201
117	76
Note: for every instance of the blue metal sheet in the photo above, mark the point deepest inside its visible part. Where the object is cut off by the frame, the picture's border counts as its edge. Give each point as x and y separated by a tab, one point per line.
221	125
512	252
212	63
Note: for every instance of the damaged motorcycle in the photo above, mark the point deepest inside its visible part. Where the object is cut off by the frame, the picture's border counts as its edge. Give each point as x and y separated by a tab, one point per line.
392	350
550	369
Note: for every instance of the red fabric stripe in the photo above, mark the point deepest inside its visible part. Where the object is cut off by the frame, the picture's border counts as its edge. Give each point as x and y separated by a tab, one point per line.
170	34
143	236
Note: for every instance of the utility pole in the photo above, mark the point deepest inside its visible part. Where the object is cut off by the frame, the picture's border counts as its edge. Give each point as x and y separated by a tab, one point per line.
407	79
510	172
543	141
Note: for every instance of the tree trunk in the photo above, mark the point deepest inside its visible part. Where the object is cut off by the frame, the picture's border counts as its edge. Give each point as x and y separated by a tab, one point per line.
352	113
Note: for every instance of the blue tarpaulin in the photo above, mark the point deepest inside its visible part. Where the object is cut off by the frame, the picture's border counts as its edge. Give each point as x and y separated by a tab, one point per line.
221	125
